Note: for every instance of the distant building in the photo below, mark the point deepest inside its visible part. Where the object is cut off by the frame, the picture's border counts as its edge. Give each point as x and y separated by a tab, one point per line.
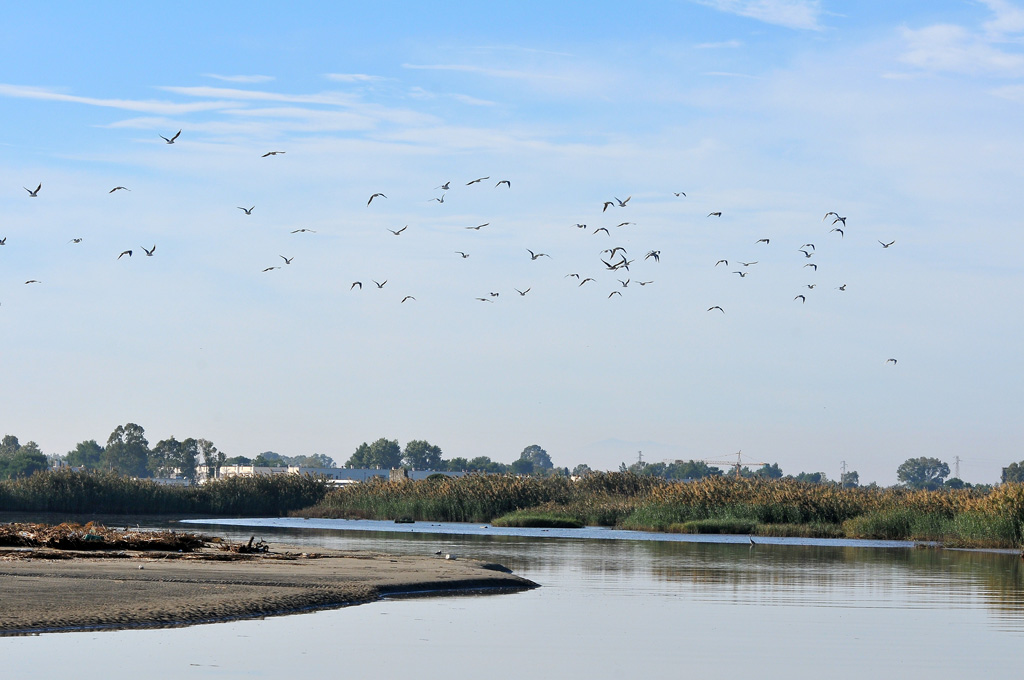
337	476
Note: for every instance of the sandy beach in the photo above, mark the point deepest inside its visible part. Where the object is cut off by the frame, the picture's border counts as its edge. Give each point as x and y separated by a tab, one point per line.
45	590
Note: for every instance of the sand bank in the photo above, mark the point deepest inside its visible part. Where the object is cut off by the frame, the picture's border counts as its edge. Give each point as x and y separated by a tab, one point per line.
45	590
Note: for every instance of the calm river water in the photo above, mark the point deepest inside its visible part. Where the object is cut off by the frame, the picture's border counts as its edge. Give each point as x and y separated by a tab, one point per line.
612	605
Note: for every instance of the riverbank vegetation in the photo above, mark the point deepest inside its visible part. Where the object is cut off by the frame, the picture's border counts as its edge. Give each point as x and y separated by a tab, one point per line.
955	517
66	491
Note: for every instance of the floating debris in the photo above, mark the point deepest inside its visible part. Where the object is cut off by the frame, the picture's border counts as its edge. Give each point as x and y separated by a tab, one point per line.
94	536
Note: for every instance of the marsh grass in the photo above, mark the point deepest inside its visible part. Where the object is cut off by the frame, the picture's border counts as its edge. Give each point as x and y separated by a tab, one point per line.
538	519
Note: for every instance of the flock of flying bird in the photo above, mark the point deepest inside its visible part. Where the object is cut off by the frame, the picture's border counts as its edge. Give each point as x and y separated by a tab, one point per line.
615	259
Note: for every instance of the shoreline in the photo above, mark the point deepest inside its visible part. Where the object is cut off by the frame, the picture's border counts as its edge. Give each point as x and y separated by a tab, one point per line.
51	591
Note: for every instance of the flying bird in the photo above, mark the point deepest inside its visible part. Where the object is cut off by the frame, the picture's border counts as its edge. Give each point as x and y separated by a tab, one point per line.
607	204
808	245
747	264
534	256
892	360
444	187
585	280
801	298
811	264
839	219
118	189
505	182
622	204
439	200
580	226
271	153
625	284
715	214
35	281
622	224
568	275
247	211
521	292
604	229
742	274
725	262
171	140
3	241
375	196
149	252
810	286
33	194
408	297
299	231
479	226
270	269
611	251
287	260
842	287
805	252
679	193
886	245
396	233
464	255
830	212
494	294
762	240
718	308
836	229
356	283
644	283
126	252
480	179
485	300
381	285
615	292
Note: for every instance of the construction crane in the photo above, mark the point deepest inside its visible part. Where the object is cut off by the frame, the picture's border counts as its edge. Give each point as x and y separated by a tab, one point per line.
736	464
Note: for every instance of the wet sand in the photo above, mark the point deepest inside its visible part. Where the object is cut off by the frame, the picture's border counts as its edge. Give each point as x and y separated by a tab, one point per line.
51	590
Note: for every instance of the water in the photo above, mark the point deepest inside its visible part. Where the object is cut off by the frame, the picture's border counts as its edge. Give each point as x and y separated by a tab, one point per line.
613	605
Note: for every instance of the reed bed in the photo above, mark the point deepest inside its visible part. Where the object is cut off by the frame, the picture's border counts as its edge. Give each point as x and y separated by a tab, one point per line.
109	493
755	506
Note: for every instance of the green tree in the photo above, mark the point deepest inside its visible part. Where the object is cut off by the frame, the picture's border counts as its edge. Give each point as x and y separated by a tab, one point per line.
87	454
922	473
127	451
20	460
582	470
236	460
212	459
383	454
422	455
316	460
457	464
532	460
812	477
772	471
850	480
691	469
164	457
270	459
485	464
1014	472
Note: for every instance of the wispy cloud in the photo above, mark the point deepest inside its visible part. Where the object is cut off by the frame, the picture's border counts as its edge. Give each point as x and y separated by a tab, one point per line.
1008	19
956	49
800	14
326	98
352	77
727	44
240	79
489	72
163	108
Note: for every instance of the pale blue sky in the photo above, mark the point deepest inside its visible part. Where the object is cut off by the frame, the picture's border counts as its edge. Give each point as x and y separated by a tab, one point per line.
902	117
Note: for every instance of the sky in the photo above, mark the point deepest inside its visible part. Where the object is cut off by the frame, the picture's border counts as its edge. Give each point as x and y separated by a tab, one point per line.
903	118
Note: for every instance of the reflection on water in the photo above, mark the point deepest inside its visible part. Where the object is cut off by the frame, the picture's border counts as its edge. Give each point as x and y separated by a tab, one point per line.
611	605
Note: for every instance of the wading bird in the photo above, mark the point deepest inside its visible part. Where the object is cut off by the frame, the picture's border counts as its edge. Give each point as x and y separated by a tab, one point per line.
171	140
